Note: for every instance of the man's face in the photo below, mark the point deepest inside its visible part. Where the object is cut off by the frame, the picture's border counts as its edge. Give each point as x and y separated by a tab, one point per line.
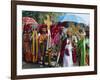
44	30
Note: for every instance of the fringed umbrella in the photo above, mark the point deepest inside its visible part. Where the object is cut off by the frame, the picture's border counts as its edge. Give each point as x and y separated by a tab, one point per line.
29	20
30	25
72	18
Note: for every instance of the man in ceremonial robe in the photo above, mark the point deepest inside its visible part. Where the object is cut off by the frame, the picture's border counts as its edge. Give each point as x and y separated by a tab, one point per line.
26	43
82	49
43	42
87	46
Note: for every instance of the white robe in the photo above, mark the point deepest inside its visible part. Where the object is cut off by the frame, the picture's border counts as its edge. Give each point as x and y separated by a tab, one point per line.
67	60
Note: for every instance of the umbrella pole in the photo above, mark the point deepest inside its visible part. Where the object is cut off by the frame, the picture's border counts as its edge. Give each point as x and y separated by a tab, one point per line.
33	47
36	46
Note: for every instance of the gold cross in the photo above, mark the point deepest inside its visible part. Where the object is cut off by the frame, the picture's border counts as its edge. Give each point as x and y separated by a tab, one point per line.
48	22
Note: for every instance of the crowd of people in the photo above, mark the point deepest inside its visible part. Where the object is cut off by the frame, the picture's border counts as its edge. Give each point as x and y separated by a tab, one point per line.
55	45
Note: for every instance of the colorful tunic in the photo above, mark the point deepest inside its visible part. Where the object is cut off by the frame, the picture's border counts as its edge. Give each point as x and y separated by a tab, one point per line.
42	46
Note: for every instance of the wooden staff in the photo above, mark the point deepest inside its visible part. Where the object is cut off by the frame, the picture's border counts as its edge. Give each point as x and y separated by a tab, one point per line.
58	55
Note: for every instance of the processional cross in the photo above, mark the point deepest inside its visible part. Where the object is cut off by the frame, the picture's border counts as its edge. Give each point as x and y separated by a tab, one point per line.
48	22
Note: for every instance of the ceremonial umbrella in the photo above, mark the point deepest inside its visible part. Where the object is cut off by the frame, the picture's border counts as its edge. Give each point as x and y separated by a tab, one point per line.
29	20
78	18
30	24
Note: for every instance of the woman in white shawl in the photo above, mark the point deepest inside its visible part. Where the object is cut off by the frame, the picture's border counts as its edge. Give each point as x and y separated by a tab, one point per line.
67	59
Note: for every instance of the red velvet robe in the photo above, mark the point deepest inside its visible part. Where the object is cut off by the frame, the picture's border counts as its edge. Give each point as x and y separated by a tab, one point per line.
74	55
63	48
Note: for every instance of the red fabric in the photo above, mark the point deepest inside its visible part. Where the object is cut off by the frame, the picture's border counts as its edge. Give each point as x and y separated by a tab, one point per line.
74	55
54	31
41	26
27	27
63	48
28	56
26	37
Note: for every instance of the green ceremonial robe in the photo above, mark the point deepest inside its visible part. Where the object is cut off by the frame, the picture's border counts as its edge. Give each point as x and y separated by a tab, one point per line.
82	52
